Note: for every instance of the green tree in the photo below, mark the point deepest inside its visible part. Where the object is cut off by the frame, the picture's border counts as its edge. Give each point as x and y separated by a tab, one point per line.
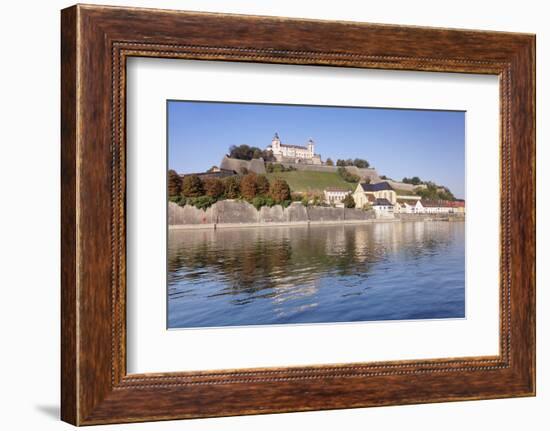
231	187
192	186
280	190
414	180
348	201
329	162
245	152
174	183
361	163
262	184
248	186
213	187
340	162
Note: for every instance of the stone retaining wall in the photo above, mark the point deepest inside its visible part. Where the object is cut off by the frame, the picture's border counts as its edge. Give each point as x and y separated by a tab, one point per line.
435	217
239	212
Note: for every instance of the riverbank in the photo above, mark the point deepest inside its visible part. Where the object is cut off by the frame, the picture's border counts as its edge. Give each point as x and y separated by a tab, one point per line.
278	224
235	214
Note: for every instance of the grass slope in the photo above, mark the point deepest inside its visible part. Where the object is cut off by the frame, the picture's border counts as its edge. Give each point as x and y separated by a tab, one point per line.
308	181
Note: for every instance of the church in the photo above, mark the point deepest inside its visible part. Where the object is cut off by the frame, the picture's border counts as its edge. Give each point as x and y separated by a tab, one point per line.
294	153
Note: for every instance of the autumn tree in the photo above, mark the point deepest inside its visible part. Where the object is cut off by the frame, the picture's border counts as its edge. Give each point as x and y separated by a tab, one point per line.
231	187
192	186
213	187
174	183
248	186
279	190
262	185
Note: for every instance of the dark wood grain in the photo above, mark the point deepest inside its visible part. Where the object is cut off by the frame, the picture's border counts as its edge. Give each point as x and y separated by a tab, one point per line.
96	41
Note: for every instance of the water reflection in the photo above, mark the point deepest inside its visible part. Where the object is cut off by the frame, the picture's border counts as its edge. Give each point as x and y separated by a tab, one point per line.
300	274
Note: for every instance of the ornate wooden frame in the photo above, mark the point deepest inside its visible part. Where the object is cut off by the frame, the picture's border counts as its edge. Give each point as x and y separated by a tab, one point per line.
95	42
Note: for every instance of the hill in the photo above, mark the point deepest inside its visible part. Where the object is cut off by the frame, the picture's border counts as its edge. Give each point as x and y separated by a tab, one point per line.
308	181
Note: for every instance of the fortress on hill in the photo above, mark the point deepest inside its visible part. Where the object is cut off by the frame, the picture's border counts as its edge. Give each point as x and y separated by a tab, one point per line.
302	158
285	153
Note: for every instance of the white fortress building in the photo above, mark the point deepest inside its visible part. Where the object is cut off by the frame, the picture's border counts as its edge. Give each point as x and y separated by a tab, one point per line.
294	153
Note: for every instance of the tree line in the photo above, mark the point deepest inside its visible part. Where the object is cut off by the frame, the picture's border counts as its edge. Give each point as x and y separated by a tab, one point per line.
358	163
246	152
432	191
202	193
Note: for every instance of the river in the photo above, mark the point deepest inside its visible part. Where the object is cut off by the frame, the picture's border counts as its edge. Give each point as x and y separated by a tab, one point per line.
316	274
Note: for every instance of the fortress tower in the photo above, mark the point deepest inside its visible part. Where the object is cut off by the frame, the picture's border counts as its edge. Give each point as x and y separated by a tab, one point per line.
311	147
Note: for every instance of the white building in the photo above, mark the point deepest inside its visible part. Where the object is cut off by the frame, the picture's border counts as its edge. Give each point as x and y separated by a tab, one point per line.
440	207
409	206
335	195
383	208
294	153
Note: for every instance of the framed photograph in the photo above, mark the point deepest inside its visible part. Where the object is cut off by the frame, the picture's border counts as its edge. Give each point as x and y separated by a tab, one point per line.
263	214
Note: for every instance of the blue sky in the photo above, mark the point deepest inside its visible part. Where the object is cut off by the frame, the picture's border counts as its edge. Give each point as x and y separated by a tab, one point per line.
397	142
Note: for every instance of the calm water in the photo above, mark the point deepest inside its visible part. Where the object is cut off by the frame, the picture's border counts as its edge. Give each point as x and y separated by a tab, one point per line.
348	273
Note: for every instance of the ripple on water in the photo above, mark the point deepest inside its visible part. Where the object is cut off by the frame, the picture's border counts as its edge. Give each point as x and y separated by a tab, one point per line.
316	274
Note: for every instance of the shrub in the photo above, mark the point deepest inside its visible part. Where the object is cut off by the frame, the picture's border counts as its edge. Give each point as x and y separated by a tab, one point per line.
277	167
192	186
296	197
348	201
347	176
202	202
262	201
180	200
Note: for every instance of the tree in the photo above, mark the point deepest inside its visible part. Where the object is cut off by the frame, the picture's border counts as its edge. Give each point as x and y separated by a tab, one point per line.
248	186
192	186
340	162
435	192
361	163
414	180
213	187
280	190
329	162
348	201
262	184
174	183
231	187
245	152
